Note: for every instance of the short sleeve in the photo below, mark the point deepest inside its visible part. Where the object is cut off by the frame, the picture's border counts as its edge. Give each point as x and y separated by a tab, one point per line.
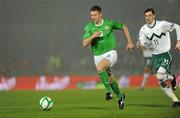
117	25
87	33
167	26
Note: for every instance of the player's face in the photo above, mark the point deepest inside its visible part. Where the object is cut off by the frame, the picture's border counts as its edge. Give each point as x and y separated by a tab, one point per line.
96	16
149	17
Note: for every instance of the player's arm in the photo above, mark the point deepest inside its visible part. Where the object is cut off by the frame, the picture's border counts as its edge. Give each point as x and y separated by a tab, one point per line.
177	28
120	26
141	40
178	45
130	44
88	40
168	26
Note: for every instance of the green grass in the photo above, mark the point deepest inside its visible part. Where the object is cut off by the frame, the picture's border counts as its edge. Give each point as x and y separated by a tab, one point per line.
150	103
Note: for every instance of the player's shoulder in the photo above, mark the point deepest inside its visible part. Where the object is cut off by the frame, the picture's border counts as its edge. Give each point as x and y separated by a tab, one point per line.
89	25
107	21
162	22
114	22
144	27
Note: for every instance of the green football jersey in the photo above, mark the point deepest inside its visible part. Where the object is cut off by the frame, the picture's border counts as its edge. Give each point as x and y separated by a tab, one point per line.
107	40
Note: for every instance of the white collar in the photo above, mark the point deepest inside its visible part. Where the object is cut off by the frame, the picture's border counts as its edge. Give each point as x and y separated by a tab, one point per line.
99	24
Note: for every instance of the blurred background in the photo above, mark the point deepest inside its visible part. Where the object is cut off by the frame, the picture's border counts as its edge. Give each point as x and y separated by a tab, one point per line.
44	37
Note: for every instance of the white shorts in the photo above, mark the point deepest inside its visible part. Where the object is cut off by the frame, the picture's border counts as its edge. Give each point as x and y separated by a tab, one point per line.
111	56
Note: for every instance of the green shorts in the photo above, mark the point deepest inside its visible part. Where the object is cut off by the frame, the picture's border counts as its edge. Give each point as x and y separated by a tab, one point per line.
161	60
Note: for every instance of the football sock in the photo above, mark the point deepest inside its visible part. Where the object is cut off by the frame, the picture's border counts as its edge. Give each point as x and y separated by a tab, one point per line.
105	79
115	88
146	75
168	91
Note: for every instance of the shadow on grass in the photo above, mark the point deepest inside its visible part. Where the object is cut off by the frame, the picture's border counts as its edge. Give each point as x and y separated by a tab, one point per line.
18	110
149	105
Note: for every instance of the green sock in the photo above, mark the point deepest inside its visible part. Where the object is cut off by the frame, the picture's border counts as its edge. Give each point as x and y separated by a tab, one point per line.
116	89
105	79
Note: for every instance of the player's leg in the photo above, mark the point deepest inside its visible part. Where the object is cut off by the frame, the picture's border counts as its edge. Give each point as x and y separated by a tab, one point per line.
112	57
115	88
145	77
101	65
165	84
108	60
171	77
162	63
147	71
172	80
114	84
101	68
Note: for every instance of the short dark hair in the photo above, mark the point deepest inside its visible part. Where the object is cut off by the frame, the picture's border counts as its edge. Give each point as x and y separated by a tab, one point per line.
149	9
96	8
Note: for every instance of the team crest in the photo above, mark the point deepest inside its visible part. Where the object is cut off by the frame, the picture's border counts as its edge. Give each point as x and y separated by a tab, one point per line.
106	27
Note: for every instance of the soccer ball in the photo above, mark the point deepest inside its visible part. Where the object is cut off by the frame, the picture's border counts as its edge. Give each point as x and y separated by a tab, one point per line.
46	103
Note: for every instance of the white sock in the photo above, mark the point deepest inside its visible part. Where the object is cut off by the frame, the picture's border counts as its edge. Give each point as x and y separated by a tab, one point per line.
169	93
146	76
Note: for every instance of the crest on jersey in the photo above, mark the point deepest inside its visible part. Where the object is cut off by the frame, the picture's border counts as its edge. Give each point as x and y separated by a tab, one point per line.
106	27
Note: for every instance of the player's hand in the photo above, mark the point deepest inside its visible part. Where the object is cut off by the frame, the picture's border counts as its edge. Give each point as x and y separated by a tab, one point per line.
130	46
178	45
96	34
138	44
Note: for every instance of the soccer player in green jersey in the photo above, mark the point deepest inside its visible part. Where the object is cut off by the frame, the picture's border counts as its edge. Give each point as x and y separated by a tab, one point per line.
99	34
158	33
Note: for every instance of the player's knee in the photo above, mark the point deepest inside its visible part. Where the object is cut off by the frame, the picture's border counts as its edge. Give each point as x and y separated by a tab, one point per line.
160	76
162	84
146	70
111	79
100	69
109	72
162	80
165	84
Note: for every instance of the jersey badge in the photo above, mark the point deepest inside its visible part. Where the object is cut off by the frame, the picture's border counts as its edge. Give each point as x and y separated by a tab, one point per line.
106	27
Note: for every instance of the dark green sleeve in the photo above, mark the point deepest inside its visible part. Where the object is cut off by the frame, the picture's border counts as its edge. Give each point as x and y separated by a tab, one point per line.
117	25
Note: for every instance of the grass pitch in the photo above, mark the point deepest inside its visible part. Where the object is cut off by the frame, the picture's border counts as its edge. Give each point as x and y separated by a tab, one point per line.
150	103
